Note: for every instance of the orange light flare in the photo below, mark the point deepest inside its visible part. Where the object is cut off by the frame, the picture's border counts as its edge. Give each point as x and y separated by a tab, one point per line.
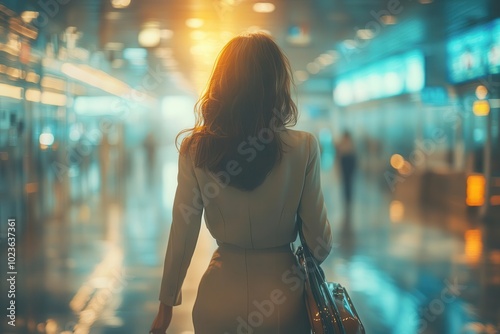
397	161
473	245
476	185
406	169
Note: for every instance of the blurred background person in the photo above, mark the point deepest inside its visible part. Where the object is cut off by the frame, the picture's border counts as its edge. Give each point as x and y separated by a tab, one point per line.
347	160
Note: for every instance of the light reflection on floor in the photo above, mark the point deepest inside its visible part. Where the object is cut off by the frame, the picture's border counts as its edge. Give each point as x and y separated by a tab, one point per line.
102	262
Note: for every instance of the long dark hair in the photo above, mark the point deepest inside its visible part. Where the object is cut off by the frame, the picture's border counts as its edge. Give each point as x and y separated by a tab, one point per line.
246	102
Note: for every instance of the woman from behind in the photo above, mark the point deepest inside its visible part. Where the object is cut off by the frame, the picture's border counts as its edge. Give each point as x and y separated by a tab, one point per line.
251	176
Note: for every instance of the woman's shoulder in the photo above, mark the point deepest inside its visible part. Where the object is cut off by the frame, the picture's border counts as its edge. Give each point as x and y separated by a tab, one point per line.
298	137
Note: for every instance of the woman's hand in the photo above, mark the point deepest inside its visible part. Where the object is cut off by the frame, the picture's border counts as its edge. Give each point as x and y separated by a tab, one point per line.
162	320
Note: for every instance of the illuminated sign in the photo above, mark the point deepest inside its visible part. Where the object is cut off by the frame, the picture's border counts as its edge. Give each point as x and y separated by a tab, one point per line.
475	53
391	77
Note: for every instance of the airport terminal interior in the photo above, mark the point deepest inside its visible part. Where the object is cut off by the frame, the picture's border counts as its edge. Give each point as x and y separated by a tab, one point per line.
94	92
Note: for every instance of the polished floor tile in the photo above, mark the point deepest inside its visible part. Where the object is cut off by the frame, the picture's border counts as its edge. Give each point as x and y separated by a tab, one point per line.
97	267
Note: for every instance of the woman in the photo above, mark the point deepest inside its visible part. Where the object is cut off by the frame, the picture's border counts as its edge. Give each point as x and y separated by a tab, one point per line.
251	176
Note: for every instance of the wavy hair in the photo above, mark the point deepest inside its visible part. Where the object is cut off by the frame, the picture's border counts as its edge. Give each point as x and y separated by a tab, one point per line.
246	102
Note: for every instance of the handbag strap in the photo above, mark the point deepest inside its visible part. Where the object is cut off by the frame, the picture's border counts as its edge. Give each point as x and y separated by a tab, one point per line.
313	264
307	251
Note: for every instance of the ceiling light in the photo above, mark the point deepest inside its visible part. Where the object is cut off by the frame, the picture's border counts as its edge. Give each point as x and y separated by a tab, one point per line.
350	44
425	2
313	68
46	139
33	95
54	99
481	92
194	23
120	3
326	59
365	33
11	91
150	35
29	16
301	75
263	7
389	19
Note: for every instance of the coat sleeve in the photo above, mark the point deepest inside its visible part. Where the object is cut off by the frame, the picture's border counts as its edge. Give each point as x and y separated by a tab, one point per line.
312	210
184	231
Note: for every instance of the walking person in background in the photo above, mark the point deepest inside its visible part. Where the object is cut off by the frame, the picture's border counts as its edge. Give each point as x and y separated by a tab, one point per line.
347	158
252	176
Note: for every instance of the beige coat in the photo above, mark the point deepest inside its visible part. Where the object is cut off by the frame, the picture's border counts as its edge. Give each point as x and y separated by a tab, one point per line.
252	284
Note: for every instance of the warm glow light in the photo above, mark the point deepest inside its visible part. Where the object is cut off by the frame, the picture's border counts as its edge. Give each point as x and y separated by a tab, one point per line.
301	75
14	72
406	169
51	326
425	2
195	23
313	68
396	211
389	19
150	35
475	190
481	92
11	91
54	99
350	44
29	16
481	108
53	83
32	77
326	59
96	78
120	3
397	161
473	245
33	95
263	7
197	34
46	139
365	34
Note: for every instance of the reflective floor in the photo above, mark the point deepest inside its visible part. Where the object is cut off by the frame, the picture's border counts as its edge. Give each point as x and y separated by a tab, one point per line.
96	266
